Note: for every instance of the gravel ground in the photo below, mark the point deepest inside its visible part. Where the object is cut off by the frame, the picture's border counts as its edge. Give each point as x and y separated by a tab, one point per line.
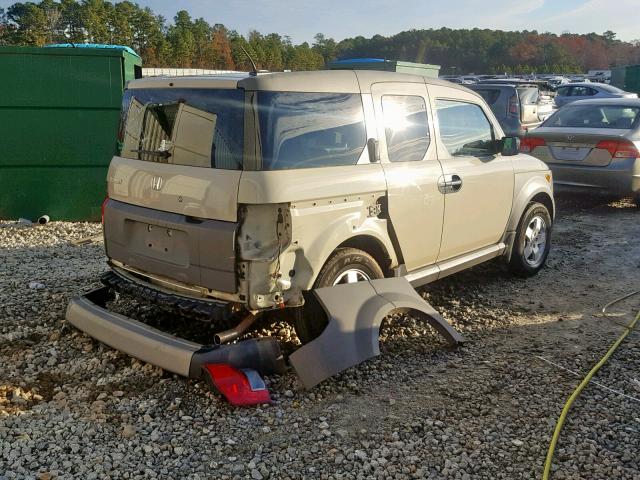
73	408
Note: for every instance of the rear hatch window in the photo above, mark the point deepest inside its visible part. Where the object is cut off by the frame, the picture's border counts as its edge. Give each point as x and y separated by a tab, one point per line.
490	95
180	126
595	116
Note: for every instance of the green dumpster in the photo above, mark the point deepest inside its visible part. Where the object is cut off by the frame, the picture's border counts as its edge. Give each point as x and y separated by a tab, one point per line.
627	78
424	69
60	111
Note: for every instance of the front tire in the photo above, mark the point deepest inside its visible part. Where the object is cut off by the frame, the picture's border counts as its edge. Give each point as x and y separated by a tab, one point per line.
533	241
345	265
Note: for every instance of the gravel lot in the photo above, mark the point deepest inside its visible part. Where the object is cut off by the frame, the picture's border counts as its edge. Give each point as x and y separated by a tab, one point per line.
72	408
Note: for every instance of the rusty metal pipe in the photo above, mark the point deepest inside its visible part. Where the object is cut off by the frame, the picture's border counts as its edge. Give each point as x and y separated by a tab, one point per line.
230	335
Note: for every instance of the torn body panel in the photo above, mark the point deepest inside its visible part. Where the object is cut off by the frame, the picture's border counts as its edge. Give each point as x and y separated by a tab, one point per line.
355	312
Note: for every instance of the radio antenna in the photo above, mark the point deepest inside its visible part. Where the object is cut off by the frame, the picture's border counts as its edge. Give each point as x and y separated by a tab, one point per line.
253	72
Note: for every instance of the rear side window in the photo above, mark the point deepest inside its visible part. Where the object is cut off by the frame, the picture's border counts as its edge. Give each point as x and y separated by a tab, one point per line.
192	127
581	91
309	130
528	95
406	127
563	91
490	95
464	128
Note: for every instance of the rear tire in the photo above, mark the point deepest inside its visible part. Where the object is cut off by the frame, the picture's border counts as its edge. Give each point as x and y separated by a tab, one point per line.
532	242
636	199
345	265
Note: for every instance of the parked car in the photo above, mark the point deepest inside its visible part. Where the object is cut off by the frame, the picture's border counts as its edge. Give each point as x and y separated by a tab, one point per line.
243	193
582	91
592	145
469	79
558	81
514	105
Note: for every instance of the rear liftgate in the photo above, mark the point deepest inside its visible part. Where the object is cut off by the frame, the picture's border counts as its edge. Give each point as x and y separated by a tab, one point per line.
355	312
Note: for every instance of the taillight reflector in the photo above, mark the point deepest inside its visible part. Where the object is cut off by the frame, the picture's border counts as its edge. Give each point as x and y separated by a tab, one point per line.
104	203
619	148
529	143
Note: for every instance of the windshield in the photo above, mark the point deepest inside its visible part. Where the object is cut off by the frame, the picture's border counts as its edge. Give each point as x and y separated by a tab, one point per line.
180	126
309	130
594	116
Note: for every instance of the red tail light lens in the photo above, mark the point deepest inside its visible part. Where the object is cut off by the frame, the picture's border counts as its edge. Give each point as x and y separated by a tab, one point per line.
619	148
513	104
104	204
529	143
240	387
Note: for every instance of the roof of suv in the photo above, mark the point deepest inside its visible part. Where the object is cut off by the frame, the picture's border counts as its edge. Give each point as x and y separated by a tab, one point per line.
339	81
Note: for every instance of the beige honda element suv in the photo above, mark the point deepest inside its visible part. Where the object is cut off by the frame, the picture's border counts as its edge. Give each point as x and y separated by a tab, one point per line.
243	193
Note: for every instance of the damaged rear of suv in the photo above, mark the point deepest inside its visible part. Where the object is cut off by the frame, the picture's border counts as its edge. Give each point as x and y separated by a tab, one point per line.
232	196
210	171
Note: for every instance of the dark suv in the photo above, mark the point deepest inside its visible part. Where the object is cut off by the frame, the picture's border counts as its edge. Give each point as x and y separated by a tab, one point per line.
515	106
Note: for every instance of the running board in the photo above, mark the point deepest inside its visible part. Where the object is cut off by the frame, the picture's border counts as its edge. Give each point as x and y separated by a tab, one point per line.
355	312
431	273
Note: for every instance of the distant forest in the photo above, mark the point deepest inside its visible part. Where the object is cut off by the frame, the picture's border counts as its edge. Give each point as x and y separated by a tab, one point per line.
188	42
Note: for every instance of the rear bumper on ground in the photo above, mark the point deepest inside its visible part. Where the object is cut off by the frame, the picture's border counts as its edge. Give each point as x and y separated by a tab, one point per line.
620	177
177	355
87	313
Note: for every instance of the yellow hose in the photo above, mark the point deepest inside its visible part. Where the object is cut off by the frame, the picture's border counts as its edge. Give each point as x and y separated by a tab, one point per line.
576	393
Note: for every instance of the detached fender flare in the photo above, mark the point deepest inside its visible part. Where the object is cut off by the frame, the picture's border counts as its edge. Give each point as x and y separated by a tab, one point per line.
355	312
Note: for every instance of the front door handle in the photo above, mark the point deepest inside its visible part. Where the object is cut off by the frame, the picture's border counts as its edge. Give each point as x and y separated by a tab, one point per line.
455	183
449	184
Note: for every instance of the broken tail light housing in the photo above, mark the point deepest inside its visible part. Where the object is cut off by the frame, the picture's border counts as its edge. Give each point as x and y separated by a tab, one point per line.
528	144
619	148
239	386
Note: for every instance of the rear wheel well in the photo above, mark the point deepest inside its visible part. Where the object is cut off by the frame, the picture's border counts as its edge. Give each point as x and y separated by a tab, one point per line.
544	199
373	247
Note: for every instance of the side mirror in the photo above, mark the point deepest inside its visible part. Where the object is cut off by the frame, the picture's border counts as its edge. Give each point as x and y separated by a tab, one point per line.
373	147
510	146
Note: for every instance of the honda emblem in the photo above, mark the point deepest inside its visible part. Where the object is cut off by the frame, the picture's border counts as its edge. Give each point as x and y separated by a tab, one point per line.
156	183
570	138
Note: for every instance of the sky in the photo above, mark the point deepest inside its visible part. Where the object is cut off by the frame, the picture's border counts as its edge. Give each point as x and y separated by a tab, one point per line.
340	19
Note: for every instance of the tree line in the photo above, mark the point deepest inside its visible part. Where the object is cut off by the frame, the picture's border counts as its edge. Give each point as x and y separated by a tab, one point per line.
195	43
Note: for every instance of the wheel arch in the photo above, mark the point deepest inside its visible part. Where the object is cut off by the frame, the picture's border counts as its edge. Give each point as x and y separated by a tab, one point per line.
372	246
545	199
530	188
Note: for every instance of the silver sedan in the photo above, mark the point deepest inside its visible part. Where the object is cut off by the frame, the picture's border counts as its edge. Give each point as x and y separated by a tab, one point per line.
592	145
584	91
